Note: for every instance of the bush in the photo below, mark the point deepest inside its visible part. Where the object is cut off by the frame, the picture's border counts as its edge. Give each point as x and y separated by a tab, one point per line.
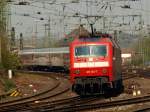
12	61
8	84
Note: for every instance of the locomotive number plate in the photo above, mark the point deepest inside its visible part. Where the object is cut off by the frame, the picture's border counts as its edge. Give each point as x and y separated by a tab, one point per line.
91	71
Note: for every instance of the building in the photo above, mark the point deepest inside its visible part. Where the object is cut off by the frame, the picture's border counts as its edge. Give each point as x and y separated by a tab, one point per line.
126	56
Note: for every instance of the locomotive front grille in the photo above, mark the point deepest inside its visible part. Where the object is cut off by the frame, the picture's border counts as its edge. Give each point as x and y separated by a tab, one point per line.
84	80
91	84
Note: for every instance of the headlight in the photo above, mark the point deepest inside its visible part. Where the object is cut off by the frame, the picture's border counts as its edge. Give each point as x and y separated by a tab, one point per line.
77	72
104	71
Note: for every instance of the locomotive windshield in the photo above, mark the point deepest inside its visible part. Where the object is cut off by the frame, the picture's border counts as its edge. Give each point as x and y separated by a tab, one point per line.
92	50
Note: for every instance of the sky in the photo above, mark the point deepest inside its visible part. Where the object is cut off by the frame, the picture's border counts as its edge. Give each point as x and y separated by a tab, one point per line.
59	17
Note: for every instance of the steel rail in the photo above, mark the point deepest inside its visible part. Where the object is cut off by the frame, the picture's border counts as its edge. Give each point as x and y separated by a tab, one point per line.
143	110
99	105
74	104
62	103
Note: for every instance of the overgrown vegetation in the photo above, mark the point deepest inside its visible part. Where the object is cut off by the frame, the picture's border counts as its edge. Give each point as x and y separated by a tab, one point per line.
8	60
8	84
11	61
3	34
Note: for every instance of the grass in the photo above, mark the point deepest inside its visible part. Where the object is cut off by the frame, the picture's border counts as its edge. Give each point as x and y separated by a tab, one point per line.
8	84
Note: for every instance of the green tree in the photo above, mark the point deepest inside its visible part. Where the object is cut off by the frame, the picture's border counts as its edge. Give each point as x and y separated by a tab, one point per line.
3	31
8	60
12	61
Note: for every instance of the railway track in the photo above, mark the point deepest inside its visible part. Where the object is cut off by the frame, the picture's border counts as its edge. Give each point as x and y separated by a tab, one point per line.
129	75
143	110
41	106
18	104
78	107
39	103
60	103
129	72
31	105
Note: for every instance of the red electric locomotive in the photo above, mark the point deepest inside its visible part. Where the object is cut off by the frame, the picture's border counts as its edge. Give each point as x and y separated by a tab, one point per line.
95	65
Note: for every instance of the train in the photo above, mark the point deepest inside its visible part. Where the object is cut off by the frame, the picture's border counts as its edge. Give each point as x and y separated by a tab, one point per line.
45	59
93	62
95	65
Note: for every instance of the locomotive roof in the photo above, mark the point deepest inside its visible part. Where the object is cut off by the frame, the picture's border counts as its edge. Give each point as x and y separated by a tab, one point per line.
94	38
89	39
97	38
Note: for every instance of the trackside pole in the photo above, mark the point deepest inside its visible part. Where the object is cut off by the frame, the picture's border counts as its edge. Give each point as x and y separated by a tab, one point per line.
10	74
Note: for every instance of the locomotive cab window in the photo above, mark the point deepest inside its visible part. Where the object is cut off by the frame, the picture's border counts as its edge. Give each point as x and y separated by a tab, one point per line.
91	50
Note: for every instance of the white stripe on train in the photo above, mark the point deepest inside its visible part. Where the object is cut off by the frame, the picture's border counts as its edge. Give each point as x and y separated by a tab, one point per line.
91	64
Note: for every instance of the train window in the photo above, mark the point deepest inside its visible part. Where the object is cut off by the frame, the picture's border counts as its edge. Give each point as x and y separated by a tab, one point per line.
92	50
82	51
98	50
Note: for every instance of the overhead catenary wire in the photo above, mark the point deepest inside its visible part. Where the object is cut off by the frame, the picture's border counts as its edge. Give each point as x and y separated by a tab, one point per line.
72	13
